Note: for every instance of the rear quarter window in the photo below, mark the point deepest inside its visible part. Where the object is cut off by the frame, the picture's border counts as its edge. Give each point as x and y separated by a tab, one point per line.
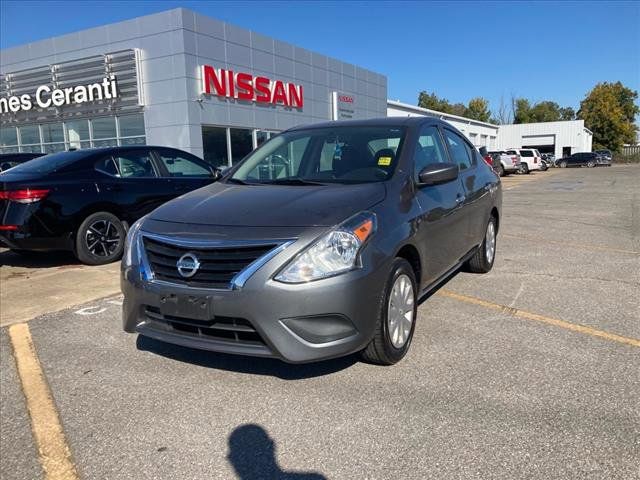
526	153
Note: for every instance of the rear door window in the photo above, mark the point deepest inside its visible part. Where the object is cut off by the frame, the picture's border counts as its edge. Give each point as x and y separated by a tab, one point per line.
135	164
458	149
429	149
108	165
180	165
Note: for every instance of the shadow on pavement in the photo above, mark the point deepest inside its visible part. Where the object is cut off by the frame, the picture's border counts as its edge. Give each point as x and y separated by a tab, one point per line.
37	259
244	364
252	453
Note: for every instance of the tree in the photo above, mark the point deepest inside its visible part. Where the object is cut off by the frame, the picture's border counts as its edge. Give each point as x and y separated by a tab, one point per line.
609	110
567	113
545	112
502	116
433	102
478	109
521	110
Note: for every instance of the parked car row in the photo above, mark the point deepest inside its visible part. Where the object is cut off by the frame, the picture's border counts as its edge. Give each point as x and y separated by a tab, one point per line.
360	218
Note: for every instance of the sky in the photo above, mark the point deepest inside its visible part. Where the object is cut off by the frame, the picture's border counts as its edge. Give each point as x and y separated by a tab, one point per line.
459	50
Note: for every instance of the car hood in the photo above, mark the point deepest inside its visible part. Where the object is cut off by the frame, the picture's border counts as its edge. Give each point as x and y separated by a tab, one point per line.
270	205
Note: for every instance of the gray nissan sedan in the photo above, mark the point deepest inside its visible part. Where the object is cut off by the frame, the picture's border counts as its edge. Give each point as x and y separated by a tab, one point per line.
318	244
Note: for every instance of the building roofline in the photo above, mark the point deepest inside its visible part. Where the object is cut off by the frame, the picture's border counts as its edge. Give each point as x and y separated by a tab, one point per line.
394	103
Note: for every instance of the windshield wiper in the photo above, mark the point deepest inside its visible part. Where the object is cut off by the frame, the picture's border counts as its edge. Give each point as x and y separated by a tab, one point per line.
292	181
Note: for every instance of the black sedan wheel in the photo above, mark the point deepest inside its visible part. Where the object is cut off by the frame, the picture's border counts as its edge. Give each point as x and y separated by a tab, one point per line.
100	239
591	164
563	164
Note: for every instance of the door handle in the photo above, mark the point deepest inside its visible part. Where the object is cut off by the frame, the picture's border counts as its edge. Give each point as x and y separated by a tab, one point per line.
460	199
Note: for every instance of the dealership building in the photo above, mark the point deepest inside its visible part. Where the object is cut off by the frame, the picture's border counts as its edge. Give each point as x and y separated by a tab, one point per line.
174	78
181	79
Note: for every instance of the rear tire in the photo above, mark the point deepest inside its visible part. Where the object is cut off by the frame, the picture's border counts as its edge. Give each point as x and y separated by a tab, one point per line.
591	164
393	333
100	239
500	171
563	164
524	168
482	260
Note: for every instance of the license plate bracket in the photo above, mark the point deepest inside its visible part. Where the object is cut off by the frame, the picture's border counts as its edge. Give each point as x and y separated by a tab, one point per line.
195	307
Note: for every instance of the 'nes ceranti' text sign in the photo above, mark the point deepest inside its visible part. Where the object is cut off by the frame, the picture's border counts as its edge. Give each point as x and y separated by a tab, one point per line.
244	86
46	96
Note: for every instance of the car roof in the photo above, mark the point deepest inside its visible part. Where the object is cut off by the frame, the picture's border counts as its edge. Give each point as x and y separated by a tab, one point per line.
372	122
108	150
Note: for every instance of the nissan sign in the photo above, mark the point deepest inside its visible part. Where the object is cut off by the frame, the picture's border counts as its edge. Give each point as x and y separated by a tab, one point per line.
244	86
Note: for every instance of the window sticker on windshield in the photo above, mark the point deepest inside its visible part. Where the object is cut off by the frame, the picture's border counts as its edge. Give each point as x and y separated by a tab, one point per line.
384	161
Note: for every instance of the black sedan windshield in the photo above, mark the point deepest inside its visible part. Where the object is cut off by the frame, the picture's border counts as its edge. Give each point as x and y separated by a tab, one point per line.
324	155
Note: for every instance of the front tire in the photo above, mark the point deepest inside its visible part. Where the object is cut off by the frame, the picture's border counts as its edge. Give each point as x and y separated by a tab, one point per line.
100	239
563	164
482	260
398	308
591	164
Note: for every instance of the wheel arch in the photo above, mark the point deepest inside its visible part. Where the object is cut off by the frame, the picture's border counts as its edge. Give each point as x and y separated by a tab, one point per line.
410	253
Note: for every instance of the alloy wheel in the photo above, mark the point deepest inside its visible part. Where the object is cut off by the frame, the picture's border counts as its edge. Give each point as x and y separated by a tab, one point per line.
102	238
490	242
400	311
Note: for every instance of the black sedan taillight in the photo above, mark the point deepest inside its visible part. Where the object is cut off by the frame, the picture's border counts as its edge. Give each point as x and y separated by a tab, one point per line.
26	195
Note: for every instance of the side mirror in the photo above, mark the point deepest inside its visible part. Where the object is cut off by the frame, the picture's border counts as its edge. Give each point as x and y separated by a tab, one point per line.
218	172
438	173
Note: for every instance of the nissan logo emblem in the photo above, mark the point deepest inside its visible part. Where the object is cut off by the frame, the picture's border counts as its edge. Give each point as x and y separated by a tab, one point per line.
188	265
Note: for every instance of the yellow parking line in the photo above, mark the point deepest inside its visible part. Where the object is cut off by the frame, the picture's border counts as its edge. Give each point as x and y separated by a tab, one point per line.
51	443
541	318
572	245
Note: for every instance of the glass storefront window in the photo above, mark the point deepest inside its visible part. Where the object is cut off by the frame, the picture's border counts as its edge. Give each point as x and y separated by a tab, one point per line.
112	142
104	127
77	130
8	136
29	134
241	143
73	134
53	147
261	137
133	141
31	148
214	142
52	132
131	125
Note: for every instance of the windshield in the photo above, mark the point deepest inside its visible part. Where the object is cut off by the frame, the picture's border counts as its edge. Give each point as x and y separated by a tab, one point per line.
324	155
50	163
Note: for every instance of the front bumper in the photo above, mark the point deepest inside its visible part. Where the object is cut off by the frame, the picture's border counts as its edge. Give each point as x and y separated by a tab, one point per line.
296	323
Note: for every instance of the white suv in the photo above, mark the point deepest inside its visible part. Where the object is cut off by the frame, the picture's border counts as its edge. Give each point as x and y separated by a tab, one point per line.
504	164
530	158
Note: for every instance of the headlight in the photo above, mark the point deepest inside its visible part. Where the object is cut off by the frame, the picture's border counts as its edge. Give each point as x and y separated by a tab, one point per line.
333	253
131	244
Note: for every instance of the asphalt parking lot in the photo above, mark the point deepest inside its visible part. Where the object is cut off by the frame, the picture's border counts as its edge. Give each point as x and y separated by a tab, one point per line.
531	371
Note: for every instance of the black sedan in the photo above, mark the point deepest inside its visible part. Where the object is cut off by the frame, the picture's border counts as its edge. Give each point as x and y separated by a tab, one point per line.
10	160
588	159
84	200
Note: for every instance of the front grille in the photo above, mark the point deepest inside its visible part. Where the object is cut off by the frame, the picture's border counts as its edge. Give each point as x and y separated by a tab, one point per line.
218	265
226	329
